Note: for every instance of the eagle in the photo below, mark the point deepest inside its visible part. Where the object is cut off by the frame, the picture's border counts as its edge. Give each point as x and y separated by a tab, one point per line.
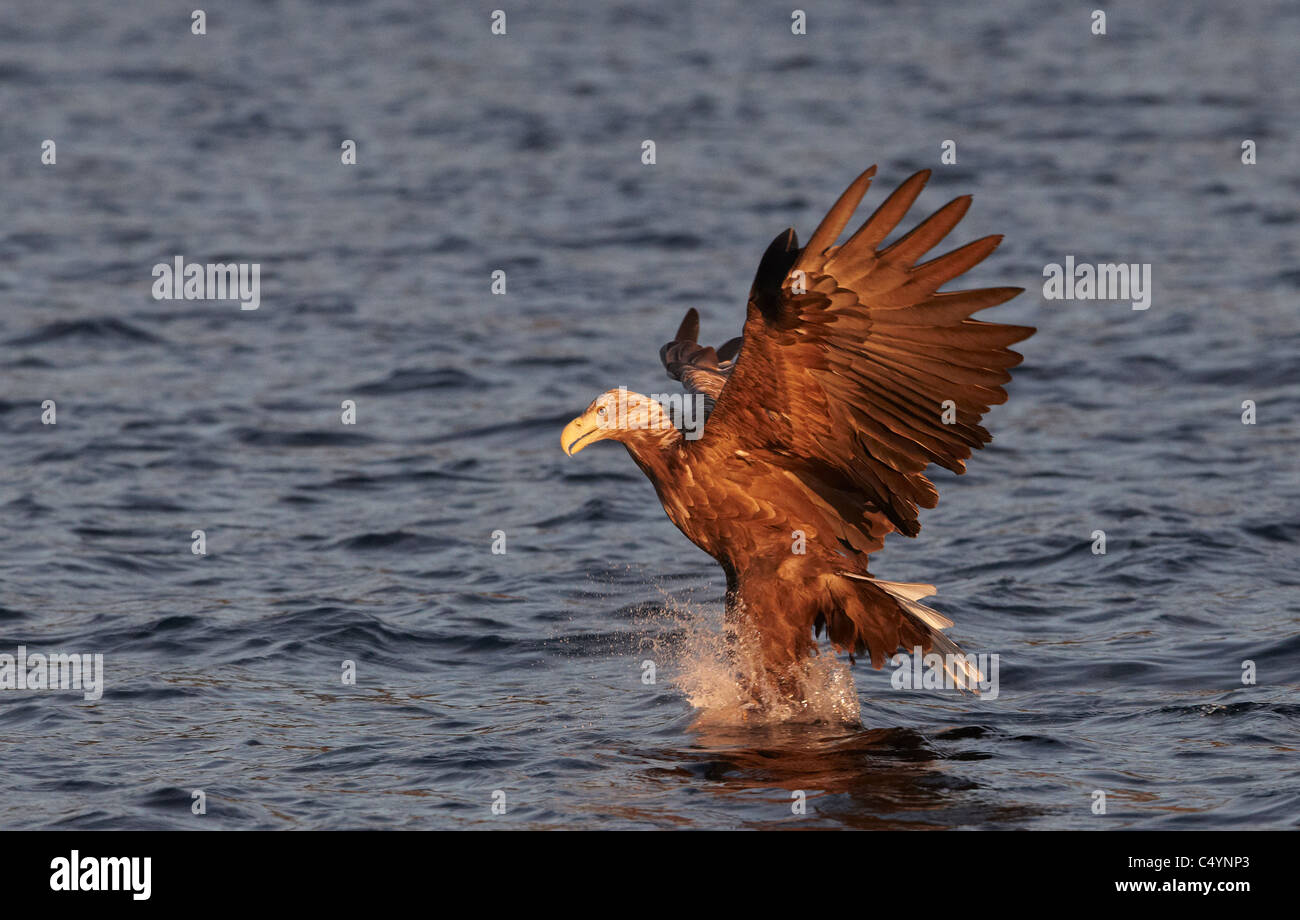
853	374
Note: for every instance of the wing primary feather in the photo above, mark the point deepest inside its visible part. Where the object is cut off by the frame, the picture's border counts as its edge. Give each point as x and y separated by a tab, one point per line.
927	234
689	330
836	219
929	276
952	306
886	217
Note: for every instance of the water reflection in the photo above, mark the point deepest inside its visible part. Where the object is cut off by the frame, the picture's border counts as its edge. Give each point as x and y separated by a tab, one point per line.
871	779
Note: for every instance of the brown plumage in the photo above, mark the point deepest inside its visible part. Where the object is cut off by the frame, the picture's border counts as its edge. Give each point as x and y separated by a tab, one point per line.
823	425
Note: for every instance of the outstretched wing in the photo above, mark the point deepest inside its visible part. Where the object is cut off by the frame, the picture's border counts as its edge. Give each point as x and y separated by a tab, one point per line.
703	370
856	372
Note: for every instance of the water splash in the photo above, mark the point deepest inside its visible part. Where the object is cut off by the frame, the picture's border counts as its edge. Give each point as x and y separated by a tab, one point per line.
722	677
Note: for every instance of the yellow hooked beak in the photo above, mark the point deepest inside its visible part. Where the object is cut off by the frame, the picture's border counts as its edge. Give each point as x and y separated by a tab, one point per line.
580	432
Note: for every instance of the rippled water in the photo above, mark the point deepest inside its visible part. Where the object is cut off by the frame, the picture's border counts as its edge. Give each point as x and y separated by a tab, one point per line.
523	672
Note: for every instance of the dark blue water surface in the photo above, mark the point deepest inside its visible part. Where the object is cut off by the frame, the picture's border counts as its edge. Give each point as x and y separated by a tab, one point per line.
522	672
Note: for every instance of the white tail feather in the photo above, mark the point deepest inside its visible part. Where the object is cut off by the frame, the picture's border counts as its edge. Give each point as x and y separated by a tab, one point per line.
907	593
956	663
